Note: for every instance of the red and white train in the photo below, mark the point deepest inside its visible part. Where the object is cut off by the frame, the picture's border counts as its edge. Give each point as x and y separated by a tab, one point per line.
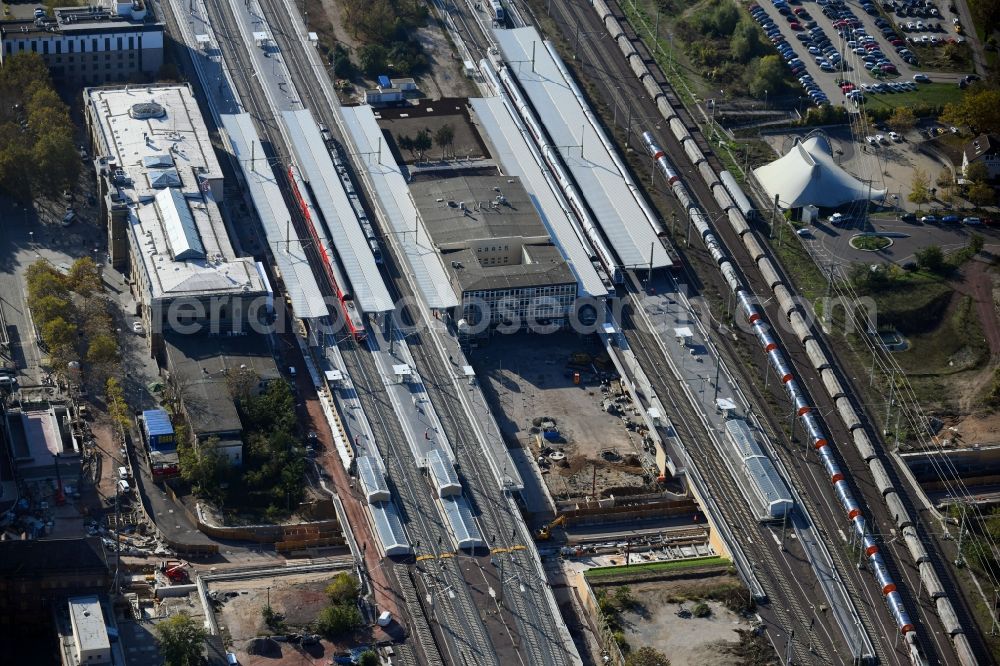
353	320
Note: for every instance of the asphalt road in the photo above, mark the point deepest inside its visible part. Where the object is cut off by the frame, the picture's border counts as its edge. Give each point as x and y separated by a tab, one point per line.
830	245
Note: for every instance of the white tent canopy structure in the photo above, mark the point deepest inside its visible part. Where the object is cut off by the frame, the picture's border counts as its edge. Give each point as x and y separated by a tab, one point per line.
808	174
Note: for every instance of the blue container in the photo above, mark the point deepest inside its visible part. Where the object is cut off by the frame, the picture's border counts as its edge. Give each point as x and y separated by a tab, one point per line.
552	435
159	430
384	81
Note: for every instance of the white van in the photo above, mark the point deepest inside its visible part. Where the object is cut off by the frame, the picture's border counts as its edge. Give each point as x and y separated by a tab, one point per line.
123	487
123	473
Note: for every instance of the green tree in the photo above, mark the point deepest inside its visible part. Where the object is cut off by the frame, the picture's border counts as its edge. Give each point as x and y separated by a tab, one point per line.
920	192
59	334
979	108
115	398
272	618
746	42
85	277
623	597
48	307
343	588
444	137
976	242
372	59
902	119
102	349
204	467
405	142
338	620
343	68
242	382
930	258
368	658
986	14
20	73
181	640
646	656
977	172
422	142
44	280
56	161
981	194
768	75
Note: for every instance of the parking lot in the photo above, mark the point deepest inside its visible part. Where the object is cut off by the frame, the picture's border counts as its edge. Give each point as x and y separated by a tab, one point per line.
838	49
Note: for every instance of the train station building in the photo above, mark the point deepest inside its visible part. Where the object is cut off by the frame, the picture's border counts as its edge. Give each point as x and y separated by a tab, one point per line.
499	258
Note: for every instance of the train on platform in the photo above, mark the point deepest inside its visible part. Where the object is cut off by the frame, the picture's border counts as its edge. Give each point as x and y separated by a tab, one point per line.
351	316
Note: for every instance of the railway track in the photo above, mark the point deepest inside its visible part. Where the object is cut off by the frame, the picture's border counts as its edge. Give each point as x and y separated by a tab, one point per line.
537	630
610	75
784	600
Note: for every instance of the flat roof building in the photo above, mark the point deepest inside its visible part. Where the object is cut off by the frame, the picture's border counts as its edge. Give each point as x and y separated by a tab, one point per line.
201	368
161	186
497	253
106	42
90	634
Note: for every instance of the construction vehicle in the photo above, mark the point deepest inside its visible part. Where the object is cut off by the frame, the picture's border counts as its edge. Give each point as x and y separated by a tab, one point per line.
175	571
546	532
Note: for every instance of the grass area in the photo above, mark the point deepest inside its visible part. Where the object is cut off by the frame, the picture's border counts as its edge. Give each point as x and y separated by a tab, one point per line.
799	263
927	94
955	345
650	567
871	243
937	58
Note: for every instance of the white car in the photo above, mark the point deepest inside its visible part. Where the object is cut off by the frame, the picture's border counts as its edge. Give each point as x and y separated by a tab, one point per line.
921	78
137	328
881	138
895	137
802	232
870	140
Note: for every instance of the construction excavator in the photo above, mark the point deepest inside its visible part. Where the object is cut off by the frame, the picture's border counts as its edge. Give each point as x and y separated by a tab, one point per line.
545	533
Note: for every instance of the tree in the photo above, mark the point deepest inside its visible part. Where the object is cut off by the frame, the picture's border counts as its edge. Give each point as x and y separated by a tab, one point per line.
902	119
768	76
986	14
919	187
646	656
979	108
241	382
59	334
981	194
368	658
102	349
623	597
343	589
338	620
181	640
84	277
48	307
976	242
930	258
372	59
422	142
204	467
444	137
405	142
56	161
977	172
746	42
343	68
115	398
43	280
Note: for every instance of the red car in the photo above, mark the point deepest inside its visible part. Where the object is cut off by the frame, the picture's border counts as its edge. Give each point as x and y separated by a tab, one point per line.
897	42
839	24
795	25
799	10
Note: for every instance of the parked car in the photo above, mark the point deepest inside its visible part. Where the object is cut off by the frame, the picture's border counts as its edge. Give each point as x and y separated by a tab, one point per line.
951	219
908	217
929	219
972	221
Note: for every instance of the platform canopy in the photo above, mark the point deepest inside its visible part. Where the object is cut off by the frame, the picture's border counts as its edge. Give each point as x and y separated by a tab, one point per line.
808	175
